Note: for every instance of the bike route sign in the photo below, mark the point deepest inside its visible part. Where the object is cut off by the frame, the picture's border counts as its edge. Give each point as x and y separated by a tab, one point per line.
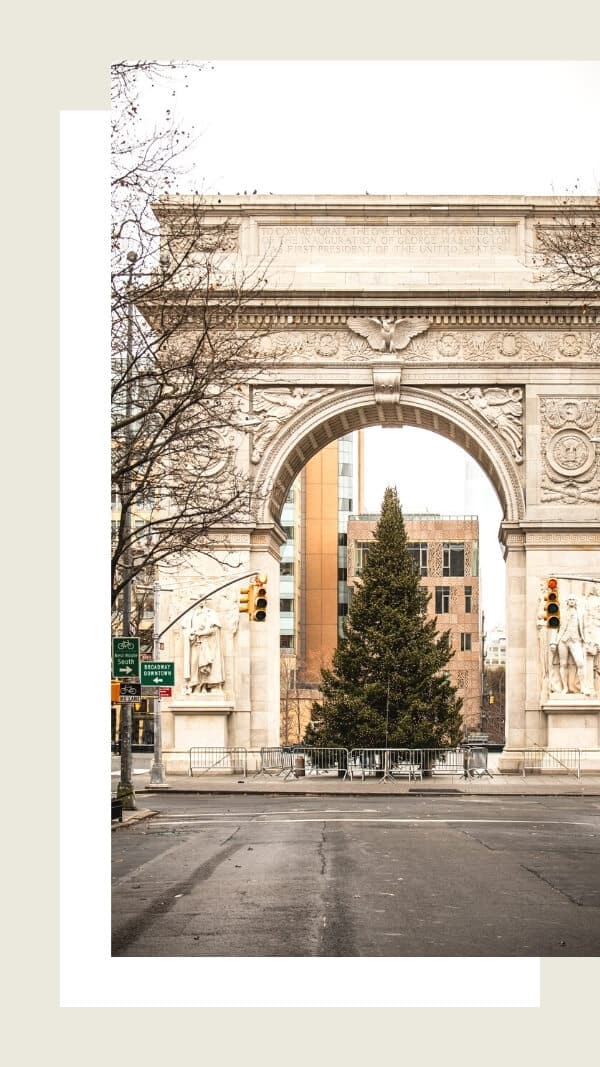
157	672
126	657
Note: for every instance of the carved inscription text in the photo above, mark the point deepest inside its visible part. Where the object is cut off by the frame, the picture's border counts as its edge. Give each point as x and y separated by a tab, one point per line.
412	239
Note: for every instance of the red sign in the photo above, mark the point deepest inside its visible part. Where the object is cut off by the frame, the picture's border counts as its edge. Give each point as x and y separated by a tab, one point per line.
146	655
165	691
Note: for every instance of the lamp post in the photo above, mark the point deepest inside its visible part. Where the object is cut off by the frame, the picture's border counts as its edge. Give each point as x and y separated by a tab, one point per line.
157	767
125	788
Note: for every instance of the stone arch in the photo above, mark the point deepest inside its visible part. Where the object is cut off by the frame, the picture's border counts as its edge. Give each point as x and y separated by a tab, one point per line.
346	410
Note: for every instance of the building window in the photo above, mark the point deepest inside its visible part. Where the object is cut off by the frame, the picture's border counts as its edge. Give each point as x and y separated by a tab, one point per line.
345	470
362	551
345	503
286	605
418	551
342	539
342	609
287	568
468	599
465	642
342	574
289	532
286	641
454	559
442	599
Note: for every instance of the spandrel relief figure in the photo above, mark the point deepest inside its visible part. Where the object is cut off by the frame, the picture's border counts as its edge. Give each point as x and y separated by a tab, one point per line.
568	645
203	667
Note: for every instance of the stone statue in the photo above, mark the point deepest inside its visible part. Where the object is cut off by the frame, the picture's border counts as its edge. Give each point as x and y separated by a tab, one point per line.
569	644
591	629
203	668
388	335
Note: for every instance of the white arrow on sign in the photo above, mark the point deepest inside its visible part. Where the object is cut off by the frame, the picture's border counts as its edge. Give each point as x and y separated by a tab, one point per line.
127	670
158	679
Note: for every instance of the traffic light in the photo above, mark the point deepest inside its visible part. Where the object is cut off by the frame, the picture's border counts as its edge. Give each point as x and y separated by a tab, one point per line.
247	600
259	606
551	605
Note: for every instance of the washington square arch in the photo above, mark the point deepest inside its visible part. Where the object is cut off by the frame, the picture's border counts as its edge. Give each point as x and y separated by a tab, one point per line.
399	311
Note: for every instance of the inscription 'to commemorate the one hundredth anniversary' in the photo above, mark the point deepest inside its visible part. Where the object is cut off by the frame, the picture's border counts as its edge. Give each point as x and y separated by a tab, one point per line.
409	240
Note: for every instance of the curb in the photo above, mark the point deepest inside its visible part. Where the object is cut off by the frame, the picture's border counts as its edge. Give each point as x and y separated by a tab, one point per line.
133	816
177	790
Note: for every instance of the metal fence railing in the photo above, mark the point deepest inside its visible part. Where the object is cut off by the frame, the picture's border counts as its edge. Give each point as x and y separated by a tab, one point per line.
557	760
274	763
223	760
383	763
310	760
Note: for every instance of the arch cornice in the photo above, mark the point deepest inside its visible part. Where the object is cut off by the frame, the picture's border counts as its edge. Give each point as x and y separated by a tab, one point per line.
344	410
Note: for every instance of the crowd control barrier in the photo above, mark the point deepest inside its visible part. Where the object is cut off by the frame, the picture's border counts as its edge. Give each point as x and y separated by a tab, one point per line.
218	760
321	761
557	760
275	763
386	764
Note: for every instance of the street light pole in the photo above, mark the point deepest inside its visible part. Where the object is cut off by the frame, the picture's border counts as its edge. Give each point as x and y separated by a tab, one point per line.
125	788
157	768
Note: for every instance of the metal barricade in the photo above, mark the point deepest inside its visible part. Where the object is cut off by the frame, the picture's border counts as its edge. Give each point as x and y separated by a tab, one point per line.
386	764
439	761
332	761
215	760
551	760
275	763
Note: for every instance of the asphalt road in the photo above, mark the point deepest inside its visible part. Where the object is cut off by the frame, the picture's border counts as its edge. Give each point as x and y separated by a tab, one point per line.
407	876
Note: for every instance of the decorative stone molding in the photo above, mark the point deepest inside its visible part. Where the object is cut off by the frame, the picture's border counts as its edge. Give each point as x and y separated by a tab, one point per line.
388	335
569	429
275	406
342	343
501	408
386	387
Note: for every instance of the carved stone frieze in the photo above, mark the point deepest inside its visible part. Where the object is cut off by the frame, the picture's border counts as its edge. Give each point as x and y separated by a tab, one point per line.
570	470
384	337
274	407
388	335
501	408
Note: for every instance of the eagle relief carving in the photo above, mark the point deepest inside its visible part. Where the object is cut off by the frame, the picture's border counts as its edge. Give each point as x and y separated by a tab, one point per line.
388	335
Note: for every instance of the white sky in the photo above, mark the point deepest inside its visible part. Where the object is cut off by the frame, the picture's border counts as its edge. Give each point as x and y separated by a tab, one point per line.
448	127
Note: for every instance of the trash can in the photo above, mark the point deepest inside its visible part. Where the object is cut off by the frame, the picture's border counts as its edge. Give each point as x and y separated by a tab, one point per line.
299	767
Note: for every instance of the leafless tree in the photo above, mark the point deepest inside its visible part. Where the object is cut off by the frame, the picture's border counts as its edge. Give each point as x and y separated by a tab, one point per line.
178	360
567	246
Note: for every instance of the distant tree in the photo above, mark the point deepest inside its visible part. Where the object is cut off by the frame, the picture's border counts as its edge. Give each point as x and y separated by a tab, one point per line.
179	363
567	246
388	685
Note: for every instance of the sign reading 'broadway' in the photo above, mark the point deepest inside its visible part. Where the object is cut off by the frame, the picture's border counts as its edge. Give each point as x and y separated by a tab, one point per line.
157	672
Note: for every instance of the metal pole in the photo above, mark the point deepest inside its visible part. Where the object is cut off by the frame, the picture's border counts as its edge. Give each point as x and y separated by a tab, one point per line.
125	788
157	768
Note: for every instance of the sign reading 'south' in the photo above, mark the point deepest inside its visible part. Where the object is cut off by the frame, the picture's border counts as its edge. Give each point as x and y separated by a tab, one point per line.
157	672
126	657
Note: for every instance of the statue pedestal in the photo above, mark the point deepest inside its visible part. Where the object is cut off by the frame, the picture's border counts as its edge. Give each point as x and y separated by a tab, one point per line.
573	720
201	720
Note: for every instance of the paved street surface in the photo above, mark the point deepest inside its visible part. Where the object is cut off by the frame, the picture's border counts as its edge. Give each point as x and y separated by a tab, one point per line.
358	876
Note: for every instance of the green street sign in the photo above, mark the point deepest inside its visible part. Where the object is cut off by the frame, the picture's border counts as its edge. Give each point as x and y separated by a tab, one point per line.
126	657
157	672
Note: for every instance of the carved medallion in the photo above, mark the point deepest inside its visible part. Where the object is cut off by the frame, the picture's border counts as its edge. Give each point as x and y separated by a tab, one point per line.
570	453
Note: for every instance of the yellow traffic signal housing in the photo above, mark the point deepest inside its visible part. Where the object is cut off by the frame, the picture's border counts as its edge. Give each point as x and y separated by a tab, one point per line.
551	605
259	607
247	600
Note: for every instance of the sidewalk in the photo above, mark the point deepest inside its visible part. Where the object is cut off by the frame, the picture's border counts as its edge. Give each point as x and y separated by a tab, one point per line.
328	785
